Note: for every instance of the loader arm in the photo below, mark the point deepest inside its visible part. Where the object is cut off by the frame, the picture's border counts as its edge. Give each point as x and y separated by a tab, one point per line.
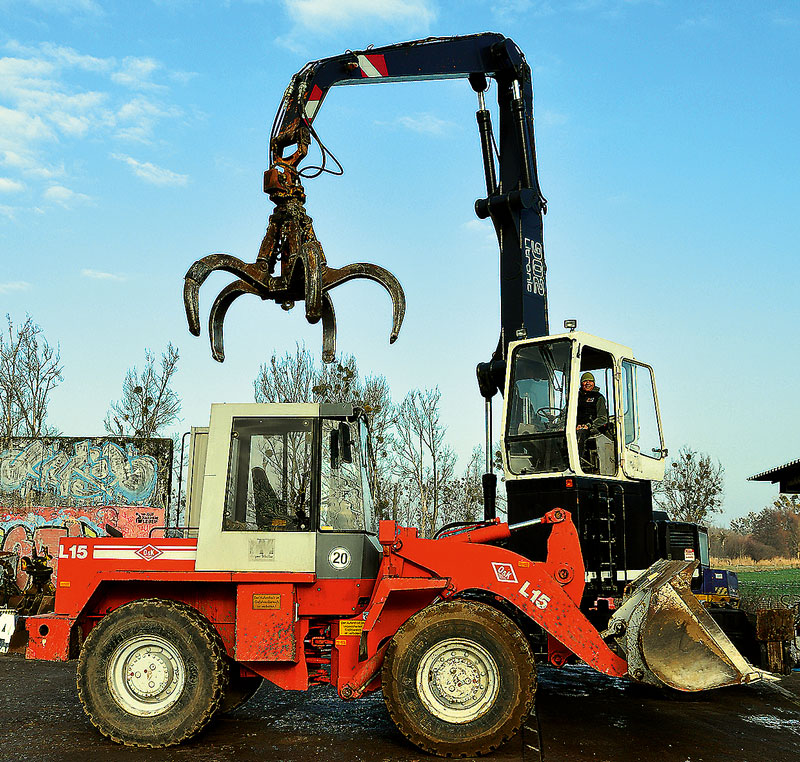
548	592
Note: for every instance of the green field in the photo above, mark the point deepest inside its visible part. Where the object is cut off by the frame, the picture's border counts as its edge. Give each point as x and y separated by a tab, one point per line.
768	586
768	576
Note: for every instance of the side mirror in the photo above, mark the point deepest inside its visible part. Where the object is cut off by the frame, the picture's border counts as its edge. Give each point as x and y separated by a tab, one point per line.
345	443
334	449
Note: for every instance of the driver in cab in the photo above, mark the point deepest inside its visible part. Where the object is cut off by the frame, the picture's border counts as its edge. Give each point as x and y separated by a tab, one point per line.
592	420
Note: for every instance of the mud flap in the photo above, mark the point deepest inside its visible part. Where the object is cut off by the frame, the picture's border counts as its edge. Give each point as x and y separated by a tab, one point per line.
670	639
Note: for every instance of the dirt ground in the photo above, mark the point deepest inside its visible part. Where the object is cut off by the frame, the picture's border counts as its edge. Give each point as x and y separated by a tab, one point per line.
582	716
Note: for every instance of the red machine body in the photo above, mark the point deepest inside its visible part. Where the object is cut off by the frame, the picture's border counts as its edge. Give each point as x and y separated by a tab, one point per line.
294	629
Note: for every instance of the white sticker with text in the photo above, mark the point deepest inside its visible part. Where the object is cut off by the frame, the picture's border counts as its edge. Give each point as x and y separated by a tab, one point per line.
504	572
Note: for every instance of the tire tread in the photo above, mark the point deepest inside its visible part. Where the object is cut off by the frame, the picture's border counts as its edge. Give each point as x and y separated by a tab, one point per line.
219	670
517	641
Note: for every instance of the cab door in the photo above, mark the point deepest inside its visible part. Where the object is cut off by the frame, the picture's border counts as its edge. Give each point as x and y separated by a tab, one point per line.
643	452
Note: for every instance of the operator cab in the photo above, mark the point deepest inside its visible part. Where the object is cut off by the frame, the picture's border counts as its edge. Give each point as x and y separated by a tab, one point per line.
555	424
288	487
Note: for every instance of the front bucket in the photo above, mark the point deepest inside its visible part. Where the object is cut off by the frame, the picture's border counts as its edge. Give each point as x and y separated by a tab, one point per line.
670	639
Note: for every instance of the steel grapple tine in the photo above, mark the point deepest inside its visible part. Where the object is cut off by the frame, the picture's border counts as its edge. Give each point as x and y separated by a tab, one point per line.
328	329
336	276
191	303
219	309
314	260
195	277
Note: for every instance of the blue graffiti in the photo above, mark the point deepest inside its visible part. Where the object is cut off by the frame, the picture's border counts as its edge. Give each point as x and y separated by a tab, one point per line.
94	473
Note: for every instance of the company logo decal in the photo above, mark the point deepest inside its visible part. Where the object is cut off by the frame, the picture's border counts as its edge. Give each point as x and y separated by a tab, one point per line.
149	553
504	572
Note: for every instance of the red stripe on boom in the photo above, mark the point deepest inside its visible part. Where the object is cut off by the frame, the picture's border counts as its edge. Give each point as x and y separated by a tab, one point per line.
379	62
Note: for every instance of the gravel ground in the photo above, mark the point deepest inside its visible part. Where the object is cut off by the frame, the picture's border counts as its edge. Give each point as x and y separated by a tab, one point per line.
582	715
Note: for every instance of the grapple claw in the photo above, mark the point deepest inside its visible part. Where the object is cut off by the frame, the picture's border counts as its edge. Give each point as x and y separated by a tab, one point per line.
191	303
314	260
197	274
304	273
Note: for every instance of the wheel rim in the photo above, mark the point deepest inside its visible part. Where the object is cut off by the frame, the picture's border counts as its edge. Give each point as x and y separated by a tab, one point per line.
458	680
146	675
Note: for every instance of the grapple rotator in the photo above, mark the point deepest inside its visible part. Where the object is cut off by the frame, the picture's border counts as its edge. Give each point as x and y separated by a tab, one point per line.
290	240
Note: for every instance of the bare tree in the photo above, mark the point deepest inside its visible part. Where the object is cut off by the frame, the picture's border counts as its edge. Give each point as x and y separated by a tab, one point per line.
29	371
148	403
415	480
775	527
424	462
290	378
693	487
462	498
296	377
376	399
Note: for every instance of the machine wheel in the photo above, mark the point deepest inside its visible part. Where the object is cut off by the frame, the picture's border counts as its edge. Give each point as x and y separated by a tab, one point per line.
459	679
240	689
152	673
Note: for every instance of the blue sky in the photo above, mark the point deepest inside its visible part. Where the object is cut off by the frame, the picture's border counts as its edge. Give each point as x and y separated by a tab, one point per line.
133	137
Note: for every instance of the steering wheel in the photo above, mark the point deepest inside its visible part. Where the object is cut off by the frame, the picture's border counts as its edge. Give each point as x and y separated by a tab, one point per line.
550	414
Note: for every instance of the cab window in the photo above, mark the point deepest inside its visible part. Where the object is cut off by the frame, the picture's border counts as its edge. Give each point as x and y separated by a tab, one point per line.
269	484
536	422
640	413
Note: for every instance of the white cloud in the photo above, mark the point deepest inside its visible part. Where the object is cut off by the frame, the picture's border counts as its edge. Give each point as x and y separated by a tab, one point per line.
64	196
783	18
137	118
527	8
27	164
481	232
137	73
52	95
7	185
550	118
700	23
62	55
424	123
68	7
99	275
18	129
323	15
412	18
14	285
150	173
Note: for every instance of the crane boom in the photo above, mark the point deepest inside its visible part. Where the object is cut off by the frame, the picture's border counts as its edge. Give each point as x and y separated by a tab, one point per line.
513	201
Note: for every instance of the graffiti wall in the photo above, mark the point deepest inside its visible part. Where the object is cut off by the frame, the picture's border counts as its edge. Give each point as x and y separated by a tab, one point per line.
71	487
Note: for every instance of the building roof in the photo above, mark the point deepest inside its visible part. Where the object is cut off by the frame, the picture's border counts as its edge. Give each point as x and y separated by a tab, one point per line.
788	475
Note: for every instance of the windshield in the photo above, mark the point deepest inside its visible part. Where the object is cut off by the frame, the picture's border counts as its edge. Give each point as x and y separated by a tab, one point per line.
536	422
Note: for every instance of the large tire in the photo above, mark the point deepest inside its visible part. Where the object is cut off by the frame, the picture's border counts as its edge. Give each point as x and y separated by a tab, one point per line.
459	679
152	673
